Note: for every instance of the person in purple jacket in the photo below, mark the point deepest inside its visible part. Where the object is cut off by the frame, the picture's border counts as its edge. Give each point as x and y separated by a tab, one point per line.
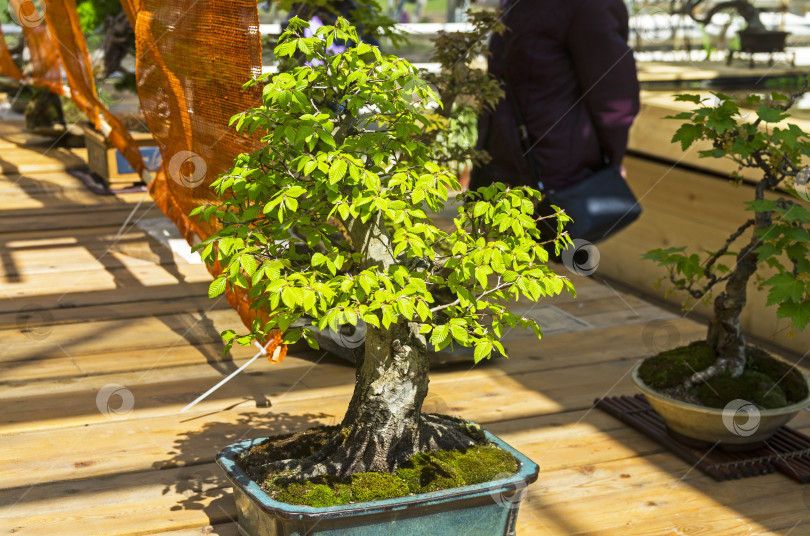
573	78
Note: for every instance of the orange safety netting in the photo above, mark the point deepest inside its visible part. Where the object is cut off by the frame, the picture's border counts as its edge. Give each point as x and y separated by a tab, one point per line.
63	23
55	42
192	59
45	69
7	65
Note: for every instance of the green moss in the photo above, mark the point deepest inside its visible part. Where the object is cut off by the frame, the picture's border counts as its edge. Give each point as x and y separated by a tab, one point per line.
483	463
426	472
375	486
767	382
673	367
422	473
790	380
751	386
310	493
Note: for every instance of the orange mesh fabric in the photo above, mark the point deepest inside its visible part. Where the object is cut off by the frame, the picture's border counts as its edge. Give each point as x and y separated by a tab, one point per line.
192	59
7	65
63	24
72	51
45	70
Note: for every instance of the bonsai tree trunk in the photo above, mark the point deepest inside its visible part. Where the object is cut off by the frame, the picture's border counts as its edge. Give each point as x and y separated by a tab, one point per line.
725	333
383	419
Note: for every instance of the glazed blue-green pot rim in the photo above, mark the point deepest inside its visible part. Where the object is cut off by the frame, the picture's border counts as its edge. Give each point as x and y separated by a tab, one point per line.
526	474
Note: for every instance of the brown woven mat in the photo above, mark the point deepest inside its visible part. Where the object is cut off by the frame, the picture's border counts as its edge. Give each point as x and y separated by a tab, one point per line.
787	451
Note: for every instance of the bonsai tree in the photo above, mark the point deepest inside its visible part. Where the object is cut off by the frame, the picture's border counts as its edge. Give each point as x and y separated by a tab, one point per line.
466	90
330	221
774	237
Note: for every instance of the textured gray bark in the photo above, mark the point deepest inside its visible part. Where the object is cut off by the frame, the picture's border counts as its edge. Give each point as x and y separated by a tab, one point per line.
725	333
384	425
372	241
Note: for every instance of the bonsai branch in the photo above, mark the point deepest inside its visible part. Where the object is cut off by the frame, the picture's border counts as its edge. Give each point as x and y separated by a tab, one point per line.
499	286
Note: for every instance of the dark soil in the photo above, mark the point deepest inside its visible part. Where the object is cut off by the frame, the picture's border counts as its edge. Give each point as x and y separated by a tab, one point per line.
424	472
767	382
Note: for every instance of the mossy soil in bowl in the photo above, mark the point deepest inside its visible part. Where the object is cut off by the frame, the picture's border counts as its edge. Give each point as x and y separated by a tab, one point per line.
422	473
767	382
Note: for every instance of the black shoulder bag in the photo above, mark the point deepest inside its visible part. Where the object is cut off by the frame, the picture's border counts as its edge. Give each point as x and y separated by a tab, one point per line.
599	206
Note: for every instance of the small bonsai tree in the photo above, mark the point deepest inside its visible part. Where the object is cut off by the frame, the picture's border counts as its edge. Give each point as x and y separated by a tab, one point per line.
330	221
775	236
466	90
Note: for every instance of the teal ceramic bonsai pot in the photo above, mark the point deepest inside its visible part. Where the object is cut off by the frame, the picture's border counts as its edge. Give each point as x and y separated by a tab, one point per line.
488	509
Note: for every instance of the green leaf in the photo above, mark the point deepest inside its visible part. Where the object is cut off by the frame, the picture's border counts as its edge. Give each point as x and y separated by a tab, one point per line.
318	259
292	336
439	334
289	298
483	350
770	115
687	134
327	138
337	171
784	288
423	310
248	263
217	287
798	313
405	306
688	97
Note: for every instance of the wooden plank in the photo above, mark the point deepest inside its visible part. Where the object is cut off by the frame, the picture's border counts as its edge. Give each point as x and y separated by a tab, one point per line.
107	286
104	336
511	388
553	351
133	248
656	501
566	438
121	335
225	529
135	359
37	319
34	159
34	204
55	181
91	217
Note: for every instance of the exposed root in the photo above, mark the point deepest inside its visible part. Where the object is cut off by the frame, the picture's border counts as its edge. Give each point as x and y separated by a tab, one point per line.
352	451
700	377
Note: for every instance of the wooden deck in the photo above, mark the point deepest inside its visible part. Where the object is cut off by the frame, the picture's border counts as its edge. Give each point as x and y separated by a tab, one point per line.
106	335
